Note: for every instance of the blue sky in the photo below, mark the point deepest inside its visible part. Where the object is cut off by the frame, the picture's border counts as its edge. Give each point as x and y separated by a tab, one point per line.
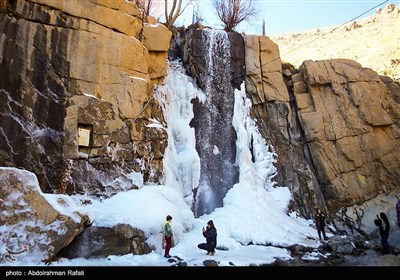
283	16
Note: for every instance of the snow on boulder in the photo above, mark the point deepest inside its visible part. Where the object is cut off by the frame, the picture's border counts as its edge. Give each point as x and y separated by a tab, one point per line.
34	226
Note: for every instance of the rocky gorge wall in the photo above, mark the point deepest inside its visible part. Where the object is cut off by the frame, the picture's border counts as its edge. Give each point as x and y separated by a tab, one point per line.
76	93
76	104
216	59
76	101
332	123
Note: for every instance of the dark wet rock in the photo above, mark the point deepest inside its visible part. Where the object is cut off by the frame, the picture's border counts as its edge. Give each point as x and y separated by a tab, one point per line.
177	261
210	263
104	241
345	247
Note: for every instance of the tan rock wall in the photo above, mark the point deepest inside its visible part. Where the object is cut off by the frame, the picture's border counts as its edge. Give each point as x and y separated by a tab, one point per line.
119	15
100	65
264	68
266	87
353	138
333	124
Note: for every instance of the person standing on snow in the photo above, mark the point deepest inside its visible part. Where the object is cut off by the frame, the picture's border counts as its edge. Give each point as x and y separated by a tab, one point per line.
168	235
382	222
320	223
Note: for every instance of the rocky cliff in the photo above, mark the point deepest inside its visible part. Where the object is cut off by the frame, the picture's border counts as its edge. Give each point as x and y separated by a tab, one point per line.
76	104
333	123
76	93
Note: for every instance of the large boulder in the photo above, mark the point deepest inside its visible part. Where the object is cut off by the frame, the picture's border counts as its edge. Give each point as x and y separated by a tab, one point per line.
34	226
96	242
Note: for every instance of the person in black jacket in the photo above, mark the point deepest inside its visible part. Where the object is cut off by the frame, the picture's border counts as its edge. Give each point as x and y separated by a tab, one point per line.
382	222
210	233
320	224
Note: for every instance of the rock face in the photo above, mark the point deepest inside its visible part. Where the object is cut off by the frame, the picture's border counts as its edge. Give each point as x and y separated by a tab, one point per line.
216	60
76	92
334	126
275	112
31	228
76	101
349	114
